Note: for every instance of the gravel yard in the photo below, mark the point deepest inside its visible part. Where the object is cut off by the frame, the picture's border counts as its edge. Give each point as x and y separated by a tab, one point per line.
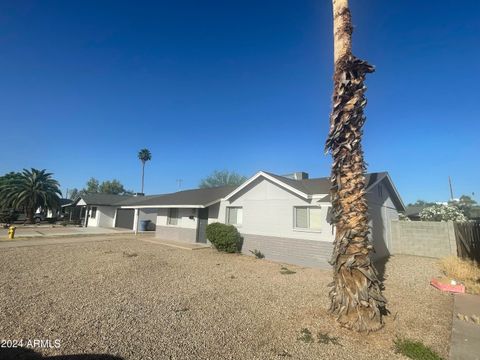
139	300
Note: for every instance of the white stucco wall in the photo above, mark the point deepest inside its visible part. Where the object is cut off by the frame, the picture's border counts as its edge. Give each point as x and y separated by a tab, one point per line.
104	216
268	210
184	220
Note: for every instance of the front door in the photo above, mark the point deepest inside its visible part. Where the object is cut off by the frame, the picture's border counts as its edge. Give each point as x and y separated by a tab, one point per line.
202	225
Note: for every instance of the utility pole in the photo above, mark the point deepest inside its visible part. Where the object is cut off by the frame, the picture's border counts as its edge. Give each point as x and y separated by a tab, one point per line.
179	183
451	188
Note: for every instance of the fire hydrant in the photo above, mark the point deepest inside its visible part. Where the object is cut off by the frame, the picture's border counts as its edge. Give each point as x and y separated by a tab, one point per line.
11	232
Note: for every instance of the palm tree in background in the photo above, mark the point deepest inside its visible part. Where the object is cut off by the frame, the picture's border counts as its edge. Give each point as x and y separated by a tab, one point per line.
31	190
355	295
144	155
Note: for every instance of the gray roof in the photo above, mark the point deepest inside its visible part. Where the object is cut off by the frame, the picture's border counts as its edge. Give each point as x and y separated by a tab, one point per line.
322	185
414	210
203	197
133	200
65	202
196	197
103	199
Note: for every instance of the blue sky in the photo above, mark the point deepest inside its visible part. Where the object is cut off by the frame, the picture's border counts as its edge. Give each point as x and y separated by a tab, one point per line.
239	85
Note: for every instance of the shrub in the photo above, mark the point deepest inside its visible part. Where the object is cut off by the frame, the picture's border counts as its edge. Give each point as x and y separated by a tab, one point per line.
306	336
286	271
442	213
224	237
415	350
324	338
258	254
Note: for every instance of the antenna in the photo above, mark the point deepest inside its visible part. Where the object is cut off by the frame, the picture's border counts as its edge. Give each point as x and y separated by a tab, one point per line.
179	183
451	188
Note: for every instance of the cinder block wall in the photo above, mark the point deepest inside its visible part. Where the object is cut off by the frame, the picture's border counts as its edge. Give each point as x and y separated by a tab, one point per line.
423	238
292	251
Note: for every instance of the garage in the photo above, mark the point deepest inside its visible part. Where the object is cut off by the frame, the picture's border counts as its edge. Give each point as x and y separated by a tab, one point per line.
124	218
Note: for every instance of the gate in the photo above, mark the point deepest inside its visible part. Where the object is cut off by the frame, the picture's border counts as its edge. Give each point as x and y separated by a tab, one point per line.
467	235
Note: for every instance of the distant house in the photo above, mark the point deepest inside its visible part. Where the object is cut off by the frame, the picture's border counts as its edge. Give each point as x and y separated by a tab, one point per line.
413	211
97	209
286	218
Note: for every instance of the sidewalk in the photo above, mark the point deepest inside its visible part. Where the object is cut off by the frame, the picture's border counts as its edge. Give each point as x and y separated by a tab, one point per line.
60	240
465	340
176	244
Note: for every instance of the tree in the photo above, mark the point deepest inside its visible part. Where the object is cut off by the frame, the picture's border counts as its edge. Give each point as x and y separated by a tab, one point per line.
440	212
222	178
465	204
74	193
144	155
355	295
93	186
31	190
421	203
112	187
6	179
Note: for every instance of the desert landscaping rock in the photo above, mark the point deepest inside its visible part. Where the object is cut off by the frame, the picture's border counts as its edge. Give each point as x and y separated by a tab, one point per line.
139	300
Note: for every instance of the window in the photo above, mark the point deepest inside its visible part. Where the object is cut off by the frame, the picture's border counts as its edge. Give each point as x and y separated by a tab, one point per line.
234	215
308	218
172	216
93	212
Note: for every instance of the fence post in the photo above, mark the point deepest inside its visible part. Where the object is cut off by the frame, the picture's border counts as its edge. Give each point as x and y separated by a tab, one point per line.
451	238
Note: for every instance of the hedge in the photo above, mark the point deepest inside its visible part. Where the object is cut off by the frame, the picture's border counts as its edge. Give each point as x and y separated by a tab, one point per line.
224	237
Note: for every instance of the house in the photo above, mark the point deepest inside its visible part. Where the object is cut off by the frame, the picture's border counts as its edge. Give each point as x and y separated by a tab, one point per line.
413	211
180	216
288	220
97	209
284	217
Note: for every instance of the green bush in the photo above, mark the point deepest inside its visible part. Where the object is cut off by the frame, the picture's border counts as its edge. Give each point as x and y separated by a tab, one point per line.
224	237
415	350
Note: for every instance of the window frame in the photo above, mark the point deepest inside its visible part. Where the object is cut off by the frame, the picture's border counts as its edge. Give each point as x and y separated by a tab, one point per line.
307	229
227	215
93	212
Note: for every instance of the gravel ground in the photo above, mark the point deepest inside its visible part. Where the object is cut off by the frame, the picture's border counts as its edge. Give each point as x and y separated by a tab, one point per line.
138	300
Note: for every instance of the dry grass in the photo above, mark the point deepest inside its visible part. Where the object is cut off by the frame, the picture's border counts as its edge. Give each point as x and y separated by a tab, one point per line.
464	271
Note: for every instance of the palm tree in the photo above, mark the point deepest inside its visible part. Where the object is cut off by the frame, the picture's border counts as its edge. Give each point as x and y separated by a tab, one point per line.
144	155
355	295
33	189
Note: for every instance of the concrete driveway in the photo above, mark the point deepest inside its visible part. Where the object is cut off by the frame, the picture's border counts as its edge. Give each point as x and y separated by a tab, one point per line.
30	231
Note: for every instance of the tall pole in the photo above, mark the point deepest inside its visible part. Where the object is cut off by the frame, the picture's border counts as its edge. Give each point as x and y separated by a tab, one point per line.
143	173
451	188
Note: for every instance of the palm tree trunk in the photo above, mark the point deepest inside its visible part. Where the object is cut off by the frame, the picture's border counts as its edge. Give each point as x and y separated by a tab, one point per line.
143	174
31	215
355	294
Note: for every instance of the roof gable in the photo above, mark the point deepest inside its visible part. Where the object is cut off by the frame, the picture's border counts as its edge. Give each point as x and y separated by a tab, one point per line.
320	187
